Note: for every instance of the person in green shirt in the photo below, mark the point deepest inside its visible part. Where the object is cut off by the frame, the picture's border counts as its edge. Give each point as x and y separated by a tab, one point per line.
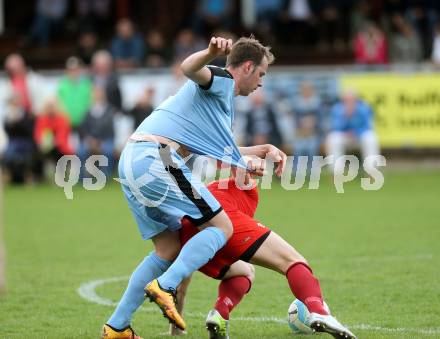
75	92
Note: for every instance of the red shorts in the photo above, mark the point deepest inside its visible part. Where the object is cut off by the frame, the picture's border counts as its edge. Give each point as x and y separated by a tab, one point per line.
248	236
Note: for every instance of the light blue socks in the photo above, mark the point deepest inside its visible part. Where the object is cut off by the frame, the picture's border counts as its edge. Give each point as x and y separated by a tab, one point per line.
193	255
196	252
149	269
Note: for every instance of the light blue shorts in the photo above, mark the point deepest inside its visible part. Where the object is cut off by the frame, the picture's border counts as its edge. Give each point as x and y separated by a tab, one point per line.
161	190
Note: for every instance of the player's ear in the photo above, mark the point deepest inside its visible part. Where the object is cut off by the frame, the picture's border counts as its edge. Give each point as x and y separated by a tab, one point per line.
248	67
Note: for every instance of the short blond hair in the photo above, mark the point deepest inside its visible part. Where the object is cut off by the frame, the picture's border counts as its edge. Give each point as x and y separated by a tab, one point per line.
248	49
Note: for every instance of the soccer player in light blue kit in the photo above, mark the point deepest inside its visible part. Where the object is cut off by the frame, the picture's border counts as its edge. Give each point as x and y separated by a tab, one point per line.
160	188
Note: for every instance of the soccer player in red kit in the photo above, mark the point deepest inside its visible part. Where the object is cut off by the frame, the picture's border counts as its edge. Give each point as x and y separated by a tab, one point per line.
255	243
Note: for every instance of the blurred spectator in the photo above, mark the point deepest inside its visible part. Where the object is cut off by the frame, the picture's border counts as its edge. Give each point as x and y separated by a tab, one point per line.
405	45
127	47
392	9
187	43
296	22
422	16
261	121
360	16
47	20
331	19
103	76
52	131
87	46
370	47
435	56
20	80
97	131
308	123
143	106
20	153
267	16
74	92
158	52
94	15
351	124
212	15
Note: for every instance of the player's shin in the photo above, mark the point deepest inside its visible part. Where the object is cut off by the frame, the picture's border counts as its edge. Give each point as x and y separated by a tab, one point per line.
194	254
306	287
230	292
150	268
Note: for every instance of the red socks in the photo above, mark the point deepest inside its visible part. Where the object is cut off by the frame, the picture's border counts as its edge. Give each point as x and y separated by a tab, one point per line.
230	293
306	287
301	281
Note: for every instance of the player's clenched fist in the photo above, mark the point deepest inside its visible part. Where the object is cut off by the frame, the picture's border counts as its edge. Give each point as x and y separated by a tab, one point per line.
219	46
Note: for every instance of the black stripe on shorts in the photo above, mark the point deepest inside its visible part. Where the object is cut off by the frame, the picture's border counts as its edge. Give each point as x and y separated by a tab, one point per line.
186	187
249	253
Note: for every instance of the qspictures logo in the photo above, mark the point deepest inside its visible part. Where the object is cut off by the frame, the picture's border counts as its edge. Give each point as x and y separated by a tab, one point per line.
146	169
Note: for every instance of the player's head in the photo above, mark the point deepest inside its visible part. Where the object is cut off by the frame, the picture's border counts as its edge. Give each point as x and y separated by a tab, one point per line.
248	61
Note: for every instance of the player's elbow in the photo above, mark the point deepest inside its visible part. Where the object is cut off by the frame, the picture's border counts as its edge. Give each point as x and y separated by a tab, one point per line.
186	69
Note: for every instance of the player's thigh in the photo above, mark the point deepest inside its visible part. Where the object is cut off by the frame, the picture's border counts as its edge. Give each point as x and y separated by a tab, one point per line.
240	268
221	221
277	254
167	244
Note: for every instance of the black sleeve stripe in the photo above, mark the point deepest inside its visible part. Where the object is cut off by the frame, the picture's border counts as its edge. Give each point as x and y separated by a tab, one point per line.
220	72
216	71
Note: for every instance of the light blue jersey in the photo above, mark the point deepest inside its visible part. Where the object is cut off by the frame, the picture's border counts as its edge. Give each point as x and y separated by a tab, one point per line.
199	117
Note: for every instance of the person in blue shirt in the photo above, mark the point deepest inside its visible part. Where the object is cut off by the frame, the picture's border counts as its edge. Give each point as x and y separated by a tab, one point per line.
307	114
160	188
351	124
127	46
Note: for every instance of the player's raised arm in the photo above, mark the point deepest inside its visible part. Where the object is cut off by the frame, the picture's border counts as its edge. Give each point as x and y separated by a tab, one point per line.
194	66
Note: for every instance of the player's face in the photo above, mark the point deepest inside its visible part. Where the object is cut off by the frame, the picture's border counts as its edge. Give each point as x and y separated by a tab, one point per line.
253	77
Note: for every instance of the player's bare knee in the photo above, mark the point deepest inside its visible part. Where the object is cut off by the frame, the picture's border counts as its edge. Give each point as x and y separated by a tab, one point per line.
168	253
291	259
222	222
228	229
251	273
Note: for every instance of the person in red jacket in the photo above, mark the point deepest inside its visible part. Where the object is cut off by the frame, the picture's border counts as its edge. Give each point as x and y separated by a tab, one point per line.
52	131
370	46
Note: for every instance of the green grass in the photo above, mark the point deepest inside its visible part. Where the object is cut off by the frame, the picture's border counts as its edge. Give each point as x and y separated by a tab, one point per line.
376	254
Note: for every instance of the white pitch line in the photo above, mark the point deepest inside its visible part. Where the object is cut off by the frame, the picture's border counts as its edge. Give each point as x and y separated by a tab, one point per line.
87	291
398	329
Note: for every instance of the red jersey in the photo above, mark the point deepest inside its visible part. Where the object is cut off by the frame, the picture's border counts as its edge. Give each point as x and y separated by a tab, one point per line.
248	235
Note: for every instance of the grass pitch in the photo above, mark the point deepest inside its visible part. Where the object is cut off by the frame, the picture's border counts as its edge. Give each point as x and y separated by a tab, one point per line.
376	254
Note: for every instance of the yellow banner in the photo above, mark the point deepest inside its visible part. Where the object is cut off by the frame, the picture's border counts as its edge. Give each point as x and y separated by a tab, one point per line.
406	107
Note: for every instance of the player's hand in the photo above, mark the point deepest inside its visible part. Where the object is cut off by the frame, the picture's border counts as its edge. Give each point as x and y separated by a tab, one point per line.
219	46
277	156
255	165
